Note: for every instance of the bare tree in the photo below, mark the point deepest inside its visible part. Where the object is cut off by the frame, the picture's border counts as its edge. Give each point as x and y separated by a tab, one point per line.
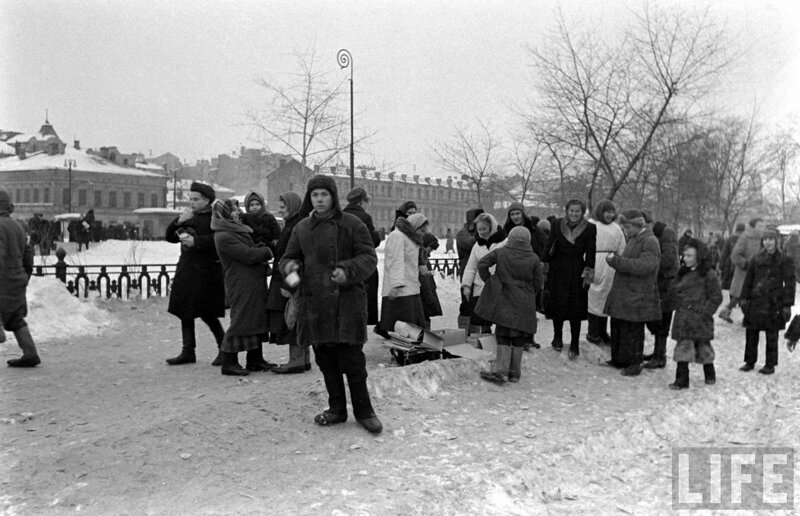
473	156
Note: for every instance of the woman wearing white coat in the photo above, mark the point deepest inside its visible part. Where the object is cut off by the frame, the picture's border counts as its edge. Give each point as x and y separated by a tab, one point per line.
401	300
490	236
610	240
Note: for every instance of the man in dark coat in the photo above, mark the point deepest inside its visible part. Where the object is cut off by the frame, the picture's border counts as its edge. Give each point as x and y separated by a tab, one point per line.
333	254
356	199
465	239
667	271
633	299
198	289
16	267
516	216
725	263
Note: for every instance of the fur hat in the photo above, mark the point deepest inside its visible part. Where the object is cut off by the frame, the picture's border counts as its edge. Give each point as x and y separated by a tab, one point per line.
633	217
472	214
326	183
519	234
407	206
516	206
356	195
203	189
6	206
544	225
770	233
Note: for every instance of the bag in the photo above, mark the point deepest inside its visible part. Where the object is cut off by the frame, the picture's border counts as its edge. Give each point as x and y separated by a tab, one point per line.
290	311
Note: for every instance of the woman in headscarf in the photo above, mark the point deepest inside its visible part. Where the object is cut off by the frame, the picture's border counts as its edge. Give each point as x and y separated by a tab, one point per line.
610	240
289	208
401	286
245	276
570	252
490	236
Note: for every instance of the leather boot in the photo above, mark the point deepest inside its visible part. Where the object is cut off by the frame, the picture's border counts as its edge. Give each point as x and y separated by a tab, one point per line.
255	360
515	371
362	406
710	374
593	334
186	355
334	384
296	363
658	360
681	377
230	365
30	357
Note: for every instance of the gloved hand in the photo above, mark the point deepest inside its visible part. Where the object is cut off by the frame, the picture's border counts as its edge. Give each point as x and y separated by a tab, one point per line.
790	345
787	313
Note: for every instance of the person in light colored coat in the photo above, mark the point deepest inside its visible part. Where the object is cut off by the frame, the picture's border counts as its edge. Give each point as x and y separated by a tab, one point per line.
747	246
610	239
490	237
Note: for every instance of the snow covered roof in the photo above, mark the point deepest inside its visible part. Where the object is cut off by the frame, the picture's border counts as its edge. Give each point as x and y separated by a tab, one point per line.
82	162
149	166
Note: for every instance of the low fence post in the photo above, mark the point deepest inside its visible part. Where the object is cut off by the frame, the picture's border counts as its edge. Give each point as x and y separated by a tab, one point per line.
61	266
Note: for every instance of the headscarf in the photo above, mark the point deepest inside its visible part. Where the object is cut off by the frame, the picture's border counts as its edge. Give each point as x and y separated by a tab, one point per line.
255	196
292	201
222	219
496	233
409	226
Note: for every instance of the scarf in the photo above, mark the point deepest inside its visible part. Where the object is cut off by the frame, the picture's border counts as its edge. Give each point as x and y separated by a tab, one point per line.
404	226
292	201
572	231
495	238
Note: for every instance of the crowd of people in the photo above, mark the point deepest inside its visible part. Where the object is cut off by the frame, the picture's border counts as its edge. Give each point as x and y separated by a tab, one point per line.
622	271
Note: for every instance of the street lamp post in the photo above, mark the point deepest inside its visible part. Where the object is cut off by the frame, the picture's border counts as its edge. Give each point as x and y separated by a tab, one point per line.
345	60
69	163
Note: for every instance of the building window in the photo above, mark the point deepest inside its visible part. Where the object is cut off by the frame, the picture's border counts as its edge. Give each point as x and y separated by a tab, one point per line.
126	199
27	195
112	199
46	195
140	200
82	197
154	200
36	195
17	195
65	197
98	198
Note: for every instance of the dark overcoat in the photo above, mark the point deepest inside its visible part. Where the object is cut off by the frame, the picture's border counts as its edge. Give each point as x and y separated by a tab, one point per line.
538	236
509	295
668	264
768	288
245	281
371	283
16	266
275	300
567	297
634	293
697	298
328	312
198	287
725	264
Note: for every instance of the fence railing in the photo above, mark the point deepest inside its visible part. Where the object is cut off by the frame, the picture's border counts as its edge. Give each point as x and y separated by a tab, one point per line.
146	280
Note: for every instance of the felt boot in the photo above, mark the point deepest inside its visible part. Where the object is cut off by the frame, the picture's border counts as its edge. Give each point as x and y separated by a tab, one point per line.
710	374
681	377
30	357
230	365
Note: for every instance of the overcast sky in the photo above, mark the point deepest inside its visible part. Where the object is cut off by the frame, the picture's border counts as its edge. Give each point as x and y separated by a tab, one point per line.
178	75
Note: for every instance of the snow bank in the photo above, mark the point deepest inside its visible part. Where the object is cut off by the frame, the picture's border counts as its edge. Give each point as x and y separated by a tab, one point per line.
55	314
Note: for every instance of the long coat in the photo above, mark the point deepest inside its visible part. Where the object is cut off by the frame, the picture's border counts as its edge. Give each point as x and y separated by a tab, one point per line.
668	265
328	312
509	295
275	300
371	283
726	266
568	299
401	265
634	293
768	288
747	246
245	281
16	266
198	288
696	300
610	239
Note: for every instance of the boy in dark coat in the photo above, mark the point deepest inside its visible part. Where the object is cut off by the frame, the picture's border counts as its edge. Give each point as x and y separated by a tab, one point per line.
333	253
16	267
767	299
198	289
697	296
508	299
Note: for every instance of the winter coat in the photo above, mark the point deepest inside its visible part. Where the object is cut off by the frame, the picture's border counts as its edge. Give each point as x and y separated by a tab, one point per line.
634	293
471	278
366	218
371	283
747	246
668	264
696	300
275	300
465	240
328	312
264	224
245	279
16	266
610	239
793	251
401	265
567	299
198	288
726	266
509	295
538	236
768	288
427	288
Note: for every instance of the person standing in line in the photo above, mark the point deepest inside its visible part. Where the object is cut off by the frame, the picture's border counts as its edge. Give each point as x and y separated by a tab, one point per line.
610	239
490	237
289	208
725	264
767	299
401	286
332	254
747	246
243	265
508	298
357	198
668	266
697	296
465	240
198	288
405	210
634	298
431	306
263	223
16	267
570	255
450	242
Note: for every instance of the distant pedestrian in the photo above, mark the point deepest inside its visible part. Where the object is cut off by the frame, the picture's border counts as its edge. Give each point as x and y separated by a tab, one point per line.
697	296
84	230
725	264
767	299
747	246
450	242
16	267
198	288
243	264
490	236
357	199
333	254
610	240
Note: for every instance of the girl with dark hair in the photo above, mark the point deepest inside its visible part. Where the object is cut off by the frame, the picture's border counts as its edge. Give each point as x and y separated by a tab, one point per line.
610	240
697	295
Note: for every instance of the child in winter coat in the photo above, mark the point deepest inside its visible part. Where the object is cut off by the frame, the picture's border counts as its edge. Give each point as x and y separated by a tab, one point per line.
509	299
767	299
697	296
